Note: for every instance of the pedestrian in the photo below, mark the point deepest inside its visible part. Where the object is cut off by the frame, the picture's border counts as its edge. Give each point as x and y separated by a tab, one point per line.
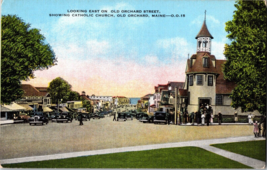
192	116
182	118
256	129
114	118
262	125
210	111
80	118
185	117
211	118
250	119
208	119
198	117
220	118
236	117
203	119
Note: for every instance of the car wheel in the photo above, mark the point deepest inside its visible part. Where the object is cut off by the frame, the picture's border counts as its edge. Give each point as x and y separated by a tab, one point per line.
30	124
34	123
42	123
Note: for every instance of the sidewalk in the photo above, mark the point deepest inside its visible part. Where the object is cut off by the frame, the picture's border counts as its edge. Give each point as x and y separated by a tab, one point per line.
197	143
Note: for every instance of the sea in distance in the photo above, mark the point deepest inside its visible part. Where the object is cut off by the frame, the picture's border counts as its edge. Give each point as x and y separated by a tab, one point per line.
134	100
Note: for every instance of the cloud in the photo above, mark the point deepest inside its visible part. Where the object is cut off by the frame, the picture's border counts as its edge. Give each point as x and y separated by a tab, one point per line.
217	48
177	47
151	59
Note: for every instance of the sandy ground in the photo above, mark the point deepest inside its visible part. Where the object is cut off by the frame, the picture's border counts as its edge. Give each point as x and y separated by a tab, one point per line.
21	140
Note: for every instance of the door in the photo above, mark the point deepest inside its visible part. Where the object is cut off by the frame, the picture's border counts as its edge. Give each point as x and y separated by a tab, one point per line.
204	102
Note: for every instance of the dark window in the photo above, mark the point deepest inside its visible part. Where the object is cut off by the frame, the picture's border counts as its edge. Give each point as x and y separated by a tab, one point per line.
199	79
205	43
3	114
199	44
210	80
219	99
190	80
205	62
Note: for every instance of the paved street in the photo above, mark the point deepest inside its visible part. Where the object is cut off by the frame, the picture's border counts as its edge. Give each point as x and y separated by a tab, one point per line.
22	140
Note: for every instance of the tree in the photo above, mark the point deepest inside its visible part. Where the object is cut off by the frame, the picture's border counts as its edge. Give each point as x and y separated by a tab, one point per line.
74	96
246	55
59	89
23	52
86	104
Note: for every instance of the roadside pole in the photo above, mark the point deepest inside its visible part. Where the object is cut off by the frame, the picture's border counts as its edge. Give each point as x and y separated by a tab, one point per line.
175	106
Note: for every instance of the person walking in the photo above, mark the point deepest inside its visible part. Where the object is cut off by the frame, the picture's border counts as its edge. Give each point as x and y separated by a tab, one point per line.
185	117
114	117
208	119
192	116
211	118
220	118
236	117
80	118
250	119
182	117
256	129
203	119
198	117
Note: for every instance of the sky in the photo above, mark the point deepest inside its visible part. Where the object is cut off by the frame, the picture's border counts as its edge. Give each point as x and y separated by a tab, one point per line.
125	56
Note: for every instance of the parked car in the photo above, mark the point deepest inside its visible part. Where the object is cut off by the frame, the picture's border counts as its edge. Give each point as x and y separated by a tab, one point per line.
62	117
160	117
38	119
139	115
147	118
121	116
128	115
97	115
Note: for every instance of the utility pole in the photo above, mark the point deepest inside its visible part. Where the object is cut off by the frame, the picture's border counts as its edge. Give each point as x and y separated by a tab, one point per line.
175	106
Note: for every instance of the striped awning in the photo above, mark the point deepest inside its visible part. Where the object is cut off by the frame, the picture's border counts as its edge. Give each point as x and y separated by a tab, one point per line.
63	109
14	107
4	109
26	106
47	109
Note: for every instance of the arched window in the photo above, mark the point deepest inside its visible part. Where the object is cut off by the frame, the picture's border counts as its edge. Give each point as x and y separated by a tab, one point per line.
199	44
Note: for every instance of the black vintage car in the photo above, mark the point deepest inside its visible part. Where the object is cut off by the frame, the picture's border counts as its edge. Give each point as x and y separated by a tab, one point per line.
139	115
121	116
128	115
38	119
97	115
160	117
147	118
62	117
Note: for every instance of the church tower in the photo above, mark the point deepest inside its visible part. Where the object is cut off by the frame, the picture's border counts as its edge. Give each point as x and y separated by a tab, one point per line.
204	38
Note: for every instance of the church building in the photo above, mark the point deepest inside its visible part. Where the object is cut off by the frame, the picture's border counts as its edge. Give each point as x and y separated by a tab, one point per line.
205	83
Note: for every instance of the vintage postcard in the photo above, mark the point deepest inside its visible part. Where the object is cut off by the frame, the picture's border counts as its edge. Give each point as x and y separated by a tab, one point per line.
133	84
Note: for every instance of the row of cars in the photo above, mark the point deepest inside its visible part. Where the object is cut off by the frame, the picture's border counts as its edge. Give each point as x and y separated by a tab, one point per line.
158	117
64	117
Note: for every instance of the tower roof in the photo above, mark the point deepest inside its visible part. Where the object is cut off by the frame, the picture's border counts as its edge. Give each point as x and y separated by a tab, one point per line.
204	32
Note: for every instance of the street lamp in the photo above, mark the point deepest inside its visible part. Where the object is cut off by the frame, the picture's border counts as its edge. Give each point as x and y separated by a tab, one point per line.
58	105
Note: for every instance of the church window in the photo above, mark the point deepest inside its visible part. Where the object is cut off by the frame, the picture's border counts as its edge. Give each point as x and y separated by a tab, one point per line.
205	43
199	44
205	62
199	79
219	99
210	80
191	80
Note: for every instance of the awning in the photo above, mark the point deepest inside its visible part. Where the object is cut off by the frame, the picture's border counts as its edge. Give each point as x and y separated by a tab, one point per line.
26	106
152	105
4	109
63	109
14	107
47	109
